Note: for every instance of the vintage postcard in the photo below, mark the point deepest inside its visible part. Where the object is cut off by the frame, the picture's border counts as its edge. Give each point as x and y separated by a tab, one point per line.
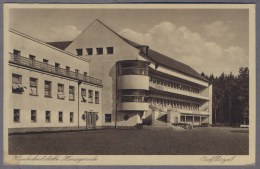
129	84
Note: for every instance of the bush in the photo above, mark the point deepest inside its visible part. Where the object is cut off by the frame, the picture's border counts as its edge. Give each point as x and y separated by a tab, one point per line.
139	126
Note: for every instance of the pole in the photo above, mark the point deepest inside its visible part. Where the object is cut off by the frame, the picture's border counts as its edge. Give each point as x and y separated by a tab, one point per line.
79	82
116	95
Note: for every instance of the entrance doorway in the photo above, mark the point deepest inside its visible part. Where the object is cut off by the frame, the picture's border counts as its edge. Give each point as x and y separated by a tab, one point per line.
90	120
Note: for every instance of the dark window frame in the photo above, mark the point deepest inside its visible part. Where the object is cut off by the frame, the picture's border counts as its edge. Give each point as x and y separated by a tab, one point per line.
79	52
108	118
16	115
33	86
89	51
60	117
33	116
47	117
100	51
110	50
71	117
49	89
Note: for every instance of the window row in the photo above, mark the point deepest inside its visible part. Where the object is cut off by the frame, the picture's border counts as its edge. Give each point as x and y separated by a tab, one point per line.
98	51
175	85
133	67
33	62
174	103
17	114
90	96
17	87
129	95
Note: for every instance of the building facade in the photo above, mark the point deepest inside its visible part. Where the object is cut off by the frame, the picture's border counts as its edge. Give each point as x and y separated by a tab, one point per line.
138	86
50	88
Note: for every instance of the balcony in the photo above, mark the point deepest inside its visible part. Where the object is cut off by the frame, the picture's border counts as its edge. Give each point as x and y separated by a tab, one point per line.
178	109
23	61
177	91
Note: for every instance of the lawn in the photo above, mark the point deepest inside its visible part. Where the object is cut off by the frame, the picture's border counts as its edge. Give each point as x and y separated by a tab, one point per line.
199	141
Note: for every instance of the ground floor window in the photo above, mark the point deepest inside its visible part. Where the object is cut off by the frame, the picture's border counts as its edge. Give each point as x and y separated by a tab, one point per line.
107	118
48	116
33	116
16	115
182	118
71	117
60	117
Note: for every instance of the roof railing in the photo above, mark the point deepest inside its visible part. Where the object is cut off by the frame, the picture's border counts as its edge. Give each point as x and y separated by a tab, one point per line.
20	60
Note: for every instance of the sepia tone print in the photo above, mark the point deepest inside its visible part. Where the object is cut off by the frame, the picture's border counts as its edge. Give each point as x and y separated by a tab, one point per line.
128	81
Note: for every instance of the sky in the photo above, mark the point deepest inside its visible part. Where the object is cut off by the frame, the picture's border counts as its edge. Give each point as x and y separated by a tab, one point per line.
209	40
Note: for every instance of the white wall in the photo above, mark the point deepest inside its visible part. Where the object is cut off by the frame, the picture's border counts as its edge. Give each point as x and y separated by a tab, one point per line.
104	66
26	102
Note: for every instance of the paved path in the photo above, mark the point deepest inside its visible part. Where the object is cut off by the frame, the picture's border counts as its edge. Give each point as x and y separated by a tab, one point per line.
199	141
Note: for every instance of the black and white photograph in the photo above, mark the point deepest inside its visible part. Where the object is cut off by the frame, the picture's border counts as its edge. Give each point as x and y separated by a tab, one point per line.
129	84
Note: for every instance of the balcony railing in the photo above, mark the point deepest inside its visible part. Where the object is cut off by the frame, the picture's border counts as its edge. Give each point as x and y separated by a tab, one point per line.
178	109
177	91
20	60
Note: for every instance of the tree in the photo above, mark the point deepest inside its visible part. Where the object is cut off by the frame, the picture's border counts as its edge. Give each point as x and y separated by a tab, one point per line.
230	97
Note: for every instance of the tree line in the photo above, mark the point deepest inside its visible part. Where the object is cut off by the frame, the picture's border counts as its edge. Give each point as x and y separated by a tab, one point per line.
230	97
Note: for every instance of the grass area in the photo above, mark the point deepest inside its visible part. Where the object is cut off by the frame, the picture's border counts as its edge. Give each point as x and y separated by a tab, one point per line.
199	141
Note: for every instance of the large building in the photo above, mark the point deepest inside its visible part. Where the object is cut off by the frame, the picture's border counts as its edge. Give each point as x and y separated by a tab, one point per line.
100	79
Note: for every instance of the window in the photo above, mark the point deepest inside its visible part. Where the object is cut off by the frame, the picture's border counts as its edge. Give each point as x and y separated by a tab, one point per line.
84	95
71	92
31	60
89	51
17	55
48	116
85	76
17	79
90	96
71	117
17	86
33	116
108	118
61	94
79	52
135	95
99	51
45	63
76	73
96	97
33	86
57	67
133	68
17	52
16	115
110	50
47	89
67	70
60	116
